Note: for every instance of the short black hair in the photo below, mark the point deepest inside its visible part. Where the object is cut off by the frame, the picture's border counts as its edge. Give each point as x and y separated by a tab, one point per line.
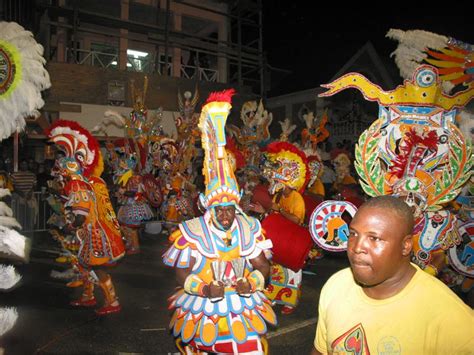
393	204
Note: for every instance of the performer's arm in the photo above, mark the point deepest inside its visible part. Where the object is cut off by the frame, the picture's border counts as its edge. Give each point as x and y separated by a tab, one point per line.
289	216
261	264
183	273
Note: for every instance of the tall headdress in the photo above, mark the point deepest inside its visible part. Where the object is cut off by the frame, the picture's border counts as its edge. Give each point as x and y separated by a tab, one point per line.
414	148
286	165
22	77
220	181
76	142
315	131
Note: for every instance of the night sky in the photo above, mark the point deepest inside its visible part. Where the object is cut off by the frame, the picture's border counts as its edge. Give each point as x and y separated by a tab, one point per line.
314	45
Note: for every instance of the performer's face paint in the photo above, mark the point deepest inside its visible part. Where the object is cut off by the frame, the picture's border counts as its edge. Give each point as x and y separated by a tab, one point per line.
224	216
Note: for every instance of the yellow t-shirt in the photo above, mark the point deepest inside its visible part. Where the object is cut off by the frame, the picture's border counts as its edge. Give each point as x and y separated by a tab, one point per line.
294	204
426	317
317	188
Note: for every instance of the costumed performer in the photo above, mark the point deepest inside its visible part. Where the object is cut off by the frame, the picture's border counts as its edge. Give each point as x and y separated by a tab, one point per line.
415	151
286	168
89	212
219	258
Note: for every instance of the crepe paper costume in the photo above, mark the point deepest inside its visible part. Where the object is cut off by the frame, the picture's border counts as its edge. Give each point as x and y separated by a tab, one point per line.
88	209
254	133
234	323
136	188
132	196
315	132
186	122
328	226
285	165
415	151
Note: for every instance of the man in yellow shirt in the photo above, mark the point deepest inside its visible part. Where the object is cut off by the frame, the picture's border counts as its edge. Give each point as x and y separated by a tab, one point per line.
383	303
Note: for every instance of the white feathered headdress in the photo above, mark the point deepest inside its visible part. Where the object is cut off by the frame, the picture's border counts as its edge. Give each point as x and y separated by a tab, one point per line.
23	77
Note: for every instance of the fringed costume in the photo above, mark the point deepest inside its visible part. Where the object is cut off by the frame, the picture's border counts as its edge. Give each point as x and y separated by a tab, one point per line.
213	256
286	168
89	212
415	151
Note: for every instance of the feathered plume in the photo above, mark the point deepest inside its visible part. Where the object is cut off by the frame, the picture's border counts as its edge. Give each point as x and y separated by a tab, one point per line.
110	118
5	210
8	317
4	192
286	129
13	243
9	222
452	57
221	96
20	96
8	277
411	50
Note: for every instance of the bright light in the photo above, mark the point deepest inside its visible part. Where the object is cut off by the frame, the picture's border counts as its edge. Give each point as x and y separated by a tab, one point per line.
113	63
136	54
129	65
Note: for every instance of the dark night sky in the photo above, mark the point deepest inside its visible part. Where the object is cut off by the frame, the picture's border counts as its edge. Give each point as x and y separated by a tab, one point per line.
314	44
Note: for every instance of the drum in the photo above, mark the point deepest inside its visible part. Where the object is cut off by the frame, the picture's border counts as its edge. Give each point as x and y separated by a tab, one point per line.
291	242
260	194
310	203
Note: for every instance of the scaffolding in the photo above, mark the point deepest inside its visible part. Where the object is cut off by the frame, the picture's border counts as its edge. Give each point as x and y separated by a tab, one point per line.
209	40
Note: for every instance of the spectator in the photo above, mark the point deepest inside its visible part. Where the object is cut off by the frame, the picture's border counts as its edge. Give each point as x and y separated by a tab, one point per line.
24	183
384	303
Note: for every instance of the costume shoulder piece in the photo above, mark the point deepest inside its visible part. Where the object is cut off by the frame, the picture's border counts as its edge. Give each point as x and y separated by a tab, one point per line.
195	234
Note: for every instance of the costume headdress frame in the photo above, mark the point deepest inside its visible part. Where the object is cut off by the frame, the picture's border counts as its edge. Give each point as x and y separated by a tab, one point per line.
221	184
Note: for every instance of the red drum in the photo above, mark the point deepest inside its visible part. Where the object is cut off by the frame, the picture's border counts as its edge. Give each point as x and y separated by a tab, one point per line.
260	194
291	242
310	203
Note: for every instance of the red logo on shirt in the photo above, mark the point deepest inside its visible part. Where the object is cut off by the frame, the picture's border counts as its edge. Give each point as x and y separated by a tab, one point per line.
352	342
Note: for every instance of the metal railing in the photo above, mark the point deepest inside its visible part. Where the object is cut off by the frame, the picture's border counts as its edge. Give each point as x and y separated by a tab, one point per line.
142	64
33	214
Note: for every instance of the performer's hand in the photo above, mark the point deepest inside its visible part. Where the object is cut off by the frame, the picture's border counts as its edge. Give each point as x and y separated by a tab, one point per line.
256	207
216	289
243	287
275	207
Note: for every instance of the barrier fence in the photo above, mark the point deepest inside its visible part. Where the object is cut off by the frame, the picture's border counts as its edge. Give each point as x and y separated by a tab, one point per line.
32	214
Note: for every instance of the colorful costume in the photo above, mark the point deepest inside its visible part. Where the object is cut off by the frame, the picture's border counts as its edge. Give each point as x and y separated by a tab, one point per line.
131	194
286	166
88	209
233	323
135	189
415	151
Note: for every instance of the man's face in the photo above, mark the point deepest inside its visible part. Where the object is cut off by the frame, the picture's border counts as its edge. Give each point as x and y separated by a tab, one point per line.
375	246
225	216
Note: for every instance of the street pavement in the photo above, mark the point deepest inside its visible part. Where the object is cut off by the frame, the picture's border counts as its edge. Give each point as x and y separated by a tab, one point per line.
48	325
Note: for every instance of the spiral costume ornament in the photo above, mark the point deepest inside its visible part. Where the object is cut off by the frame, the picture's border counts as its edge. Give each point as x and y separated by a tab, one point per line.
214	255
